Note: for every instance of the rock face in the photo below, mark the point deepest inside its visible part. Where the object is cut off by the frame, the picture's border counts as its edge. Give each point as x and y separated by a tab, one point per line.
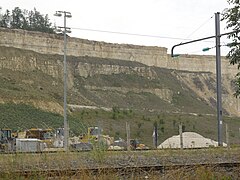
53	44
149	55
89	62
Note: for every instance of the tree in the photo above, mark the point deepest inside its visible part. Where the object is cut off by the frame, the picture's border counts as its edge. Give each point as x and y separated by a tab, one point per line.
17	18
25	23
28	20
6	19
232	17
40	22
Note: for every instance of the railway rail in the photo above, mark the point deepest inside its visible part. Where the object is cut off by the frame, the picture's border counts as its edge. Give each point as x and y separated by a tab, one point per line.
123	171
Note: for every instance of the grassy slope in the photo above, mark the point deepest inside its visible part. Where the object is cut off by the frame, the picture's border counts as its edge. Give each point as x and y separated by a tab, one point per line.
21	116
183	98
28	86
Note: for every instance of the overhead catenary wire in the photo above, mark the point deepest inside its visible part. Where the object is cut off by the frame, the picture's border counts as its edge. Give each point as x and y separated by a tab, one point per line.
199	27
203	24
130	34
133	34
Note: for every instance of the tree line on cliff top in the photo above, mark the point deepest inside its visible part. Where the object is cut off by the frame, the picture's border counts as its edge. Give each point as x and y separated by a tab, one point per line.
232	17
28	20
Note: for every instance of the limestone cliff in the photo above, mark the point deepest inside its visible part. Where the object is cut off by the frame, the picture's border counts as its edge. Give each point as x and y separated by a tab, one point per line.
108	75
149	55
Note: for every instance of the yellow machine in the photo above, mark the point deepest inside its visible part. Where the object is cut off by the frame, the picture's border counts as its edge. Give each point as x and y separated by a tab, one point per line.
46	135
94	134
137	145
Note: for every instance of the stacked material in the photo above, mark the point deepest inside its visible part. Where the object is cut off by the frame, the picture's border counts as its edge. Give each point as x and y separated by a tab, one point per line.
190	140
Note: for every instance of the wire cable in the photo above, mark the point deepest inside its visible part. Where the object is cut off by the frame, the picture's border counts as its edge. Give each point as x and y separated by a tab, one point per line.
133	34
203	24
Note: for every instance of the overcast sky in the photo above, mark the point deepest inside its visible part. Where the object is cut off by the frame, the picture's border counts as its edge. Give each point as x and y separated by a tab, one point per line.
172	21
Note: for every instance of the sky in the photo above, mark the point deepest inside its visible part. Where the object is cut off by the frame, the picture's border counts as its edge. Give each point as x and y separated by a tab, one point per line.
161	23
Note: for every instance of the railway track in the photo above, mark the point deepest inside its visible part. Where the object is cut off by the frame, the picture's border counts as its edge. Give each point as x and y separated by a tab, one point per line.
122	171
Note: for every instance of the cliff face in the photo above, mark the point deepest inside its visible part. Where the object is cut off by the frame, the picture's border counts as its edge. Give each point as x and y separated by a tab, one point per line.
108	75
148	55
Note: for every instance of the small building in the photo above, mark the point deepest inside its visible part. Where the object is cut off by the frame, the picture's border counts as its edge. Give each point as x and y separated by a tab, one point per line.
190	140
29	145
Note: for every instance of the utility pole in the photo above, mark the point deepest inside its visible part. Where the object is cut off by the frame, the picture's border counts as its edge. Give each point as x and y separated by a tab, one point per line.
99	134
218	70
128	136
227	136
239	133
65	31
155	135
181	136
218	74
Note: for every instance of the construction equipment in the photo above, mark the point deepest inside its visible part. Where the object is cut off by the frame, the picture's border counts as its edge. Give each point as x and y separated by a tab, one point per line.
94	135
137	145
59	138
45	135
118	145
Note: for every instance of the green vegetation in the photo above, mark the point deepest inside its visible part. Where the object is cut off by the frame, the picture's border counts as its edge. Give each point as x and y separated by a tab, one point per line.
22	116
231	15
126	90
37	166
36	85
31	95
28	20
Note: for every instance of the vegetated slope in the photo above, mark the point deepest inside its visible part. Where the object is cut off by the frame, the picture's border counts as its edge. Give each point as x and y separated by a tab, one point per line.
30	88
20	117
163	93
134	89
34	78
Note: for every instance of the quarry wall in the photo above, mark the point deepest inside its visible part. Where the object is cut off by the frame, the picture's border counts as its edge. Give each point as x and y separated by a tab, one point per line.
149	55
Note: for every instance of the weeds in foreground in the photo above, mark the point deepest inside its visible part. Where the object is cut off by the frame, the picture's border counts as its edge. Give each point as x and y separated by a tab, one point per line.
99	152
77	165
201	173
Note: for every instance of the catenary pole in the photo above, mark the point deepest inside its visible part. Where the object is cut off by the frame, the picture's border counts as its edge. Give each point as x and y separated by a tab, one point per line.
218	70
218	74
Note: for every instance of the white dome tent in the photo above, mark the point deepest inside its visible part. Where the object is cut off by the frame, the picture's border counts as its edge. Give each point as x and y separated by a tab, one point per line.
190	140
